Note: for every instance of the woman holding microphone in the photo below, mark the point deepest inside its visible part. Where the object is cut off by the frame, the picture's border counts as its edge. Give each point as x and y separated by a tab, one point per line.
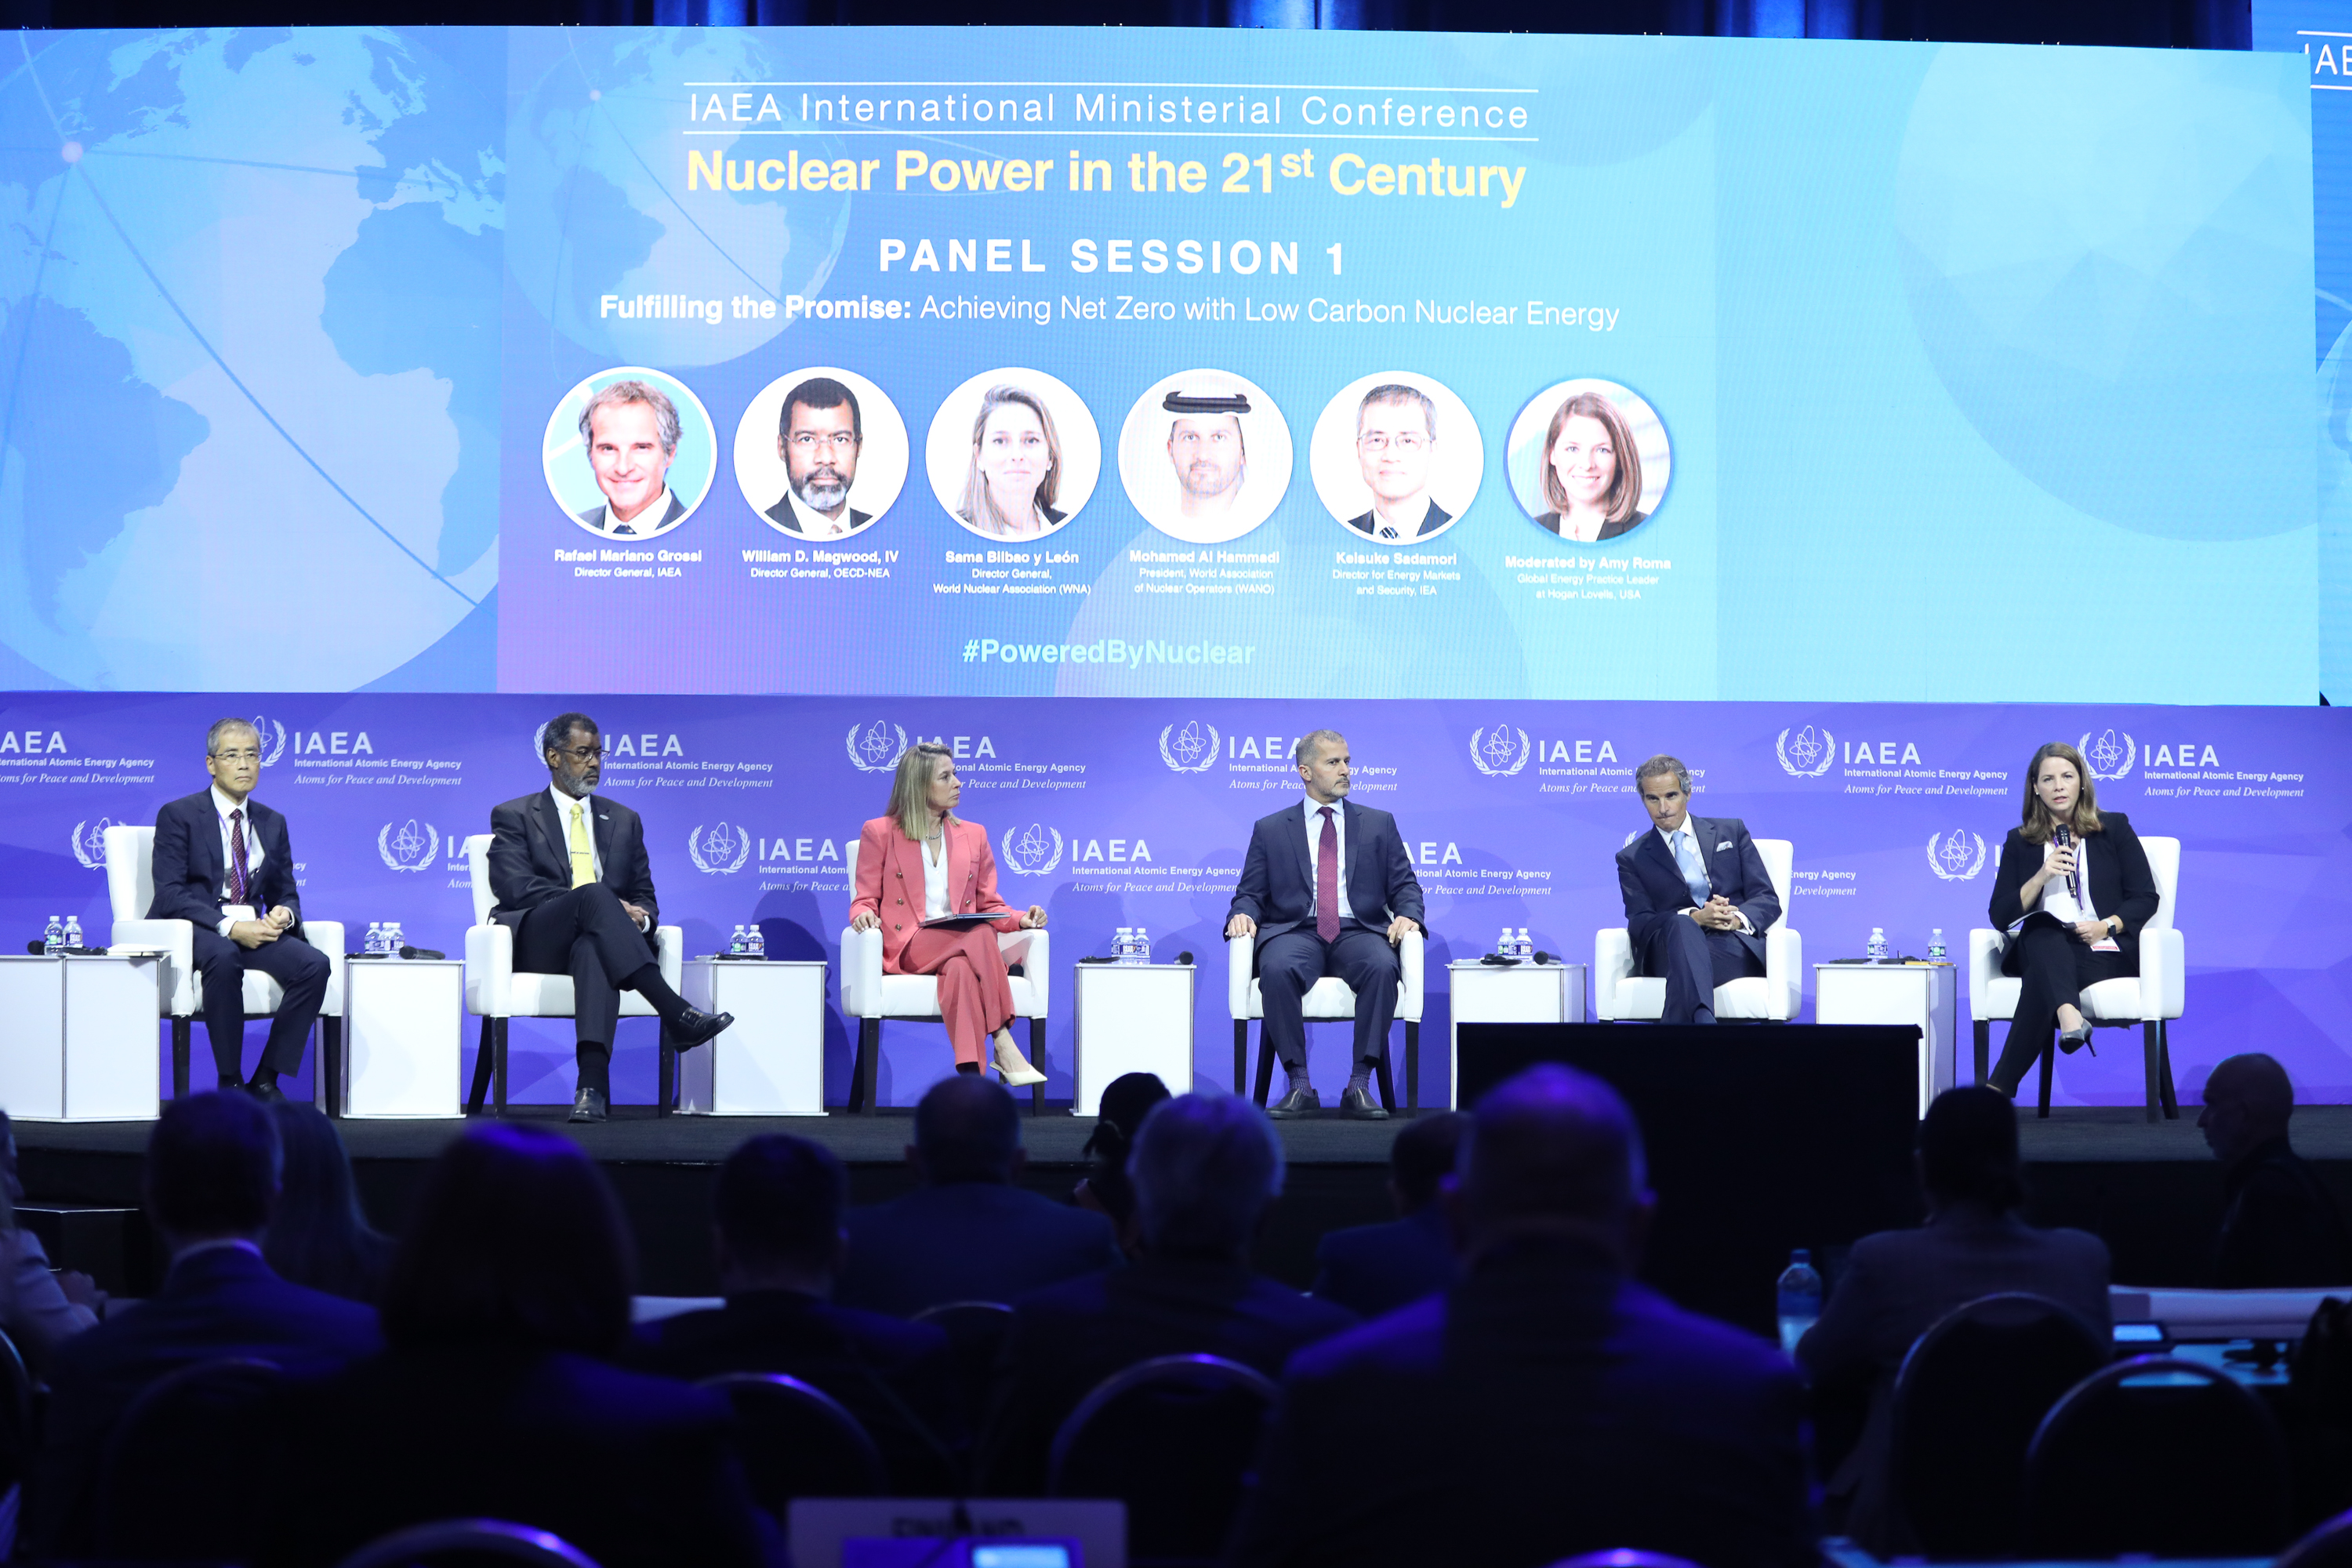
2072	890
923	863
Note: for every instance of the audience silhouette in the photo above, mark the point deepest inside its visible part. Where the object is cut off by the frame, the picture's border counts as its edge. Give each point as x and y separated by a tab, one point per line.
1376	1268
2280	1228
320	1235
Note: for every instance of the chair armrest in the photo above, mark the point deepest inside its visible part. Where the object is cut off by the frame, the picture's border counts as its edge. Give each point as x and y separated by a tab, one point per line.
489	970
1984	968
861	972
2163	974
1037	961
1784	974
176	986
1613	961
1411	962
327	936
669	952
1241	959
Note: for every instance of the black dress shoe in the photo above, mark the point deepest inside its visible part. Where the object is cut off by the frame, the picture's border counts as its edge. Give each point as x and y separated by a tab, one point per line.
588	1105
693	1028
1297	1102
1356	1101
267	1093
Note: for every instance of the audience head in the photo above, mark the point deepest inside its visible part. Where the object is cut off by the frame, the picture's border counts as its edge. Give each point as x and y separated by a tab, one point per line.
213	1170
1968	1150
320	1237
778	1211
1552	1152
2248	1101
1204	1169
966	1129
1421	1157
515	1238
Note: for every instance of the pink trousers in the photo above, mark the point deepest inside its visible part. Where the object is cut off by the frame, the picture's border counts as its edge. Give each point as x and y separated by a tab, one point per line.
975	996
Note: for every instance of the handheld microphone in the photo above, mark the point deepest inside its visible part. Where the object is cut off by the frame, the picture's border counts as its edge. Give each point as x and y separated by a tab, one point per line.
1184	957
1543	957
2064	836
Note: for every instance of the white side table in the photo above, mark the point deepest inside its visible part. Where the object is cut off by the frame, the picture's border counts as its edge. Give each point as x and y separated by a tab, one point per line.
1519	993
772	1062
81	1037
401	1018
1915	994
1131	1017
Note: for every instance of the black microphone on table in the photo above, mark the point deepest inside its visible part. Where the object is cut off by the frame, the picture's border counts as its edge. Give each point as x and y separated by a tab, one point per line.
1500	962
2064	836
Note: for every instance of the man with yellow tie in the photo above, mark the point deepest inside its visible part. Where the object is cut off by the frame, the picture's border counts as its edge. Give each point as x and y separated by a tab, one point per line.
570	875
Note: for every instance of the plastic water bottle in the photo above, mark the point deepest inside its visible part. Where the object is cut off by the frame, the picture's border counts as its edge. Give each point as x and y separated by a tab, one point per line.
755	941
1936	952
1141	952
1524	950
73	931
735	944
1800	1298
375	943
1502	944
395	939
1878	944
53	936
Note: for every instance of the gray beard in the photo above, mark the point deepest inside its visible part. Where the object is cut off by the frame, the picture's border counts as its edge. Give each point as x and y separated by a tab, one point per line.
818	496
578	789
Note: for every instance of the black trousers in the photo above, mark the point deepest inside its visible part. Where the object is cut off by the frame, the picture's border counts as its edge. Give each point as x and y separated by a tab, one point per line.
294	963
1695	960
586	934
1290	963
2052	968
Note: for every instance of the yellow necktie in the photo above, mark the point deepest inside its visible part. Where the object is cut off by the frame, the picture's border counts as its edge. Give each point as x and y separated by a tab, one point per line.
583	863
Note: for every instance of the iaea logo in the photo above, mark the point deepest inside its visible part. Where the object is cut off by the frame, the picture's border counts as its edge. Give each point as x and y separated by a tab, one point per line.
2111	755
1036	850
876	748
1956	856
408	848
1805	752
1192	750
720	850
89	844
1494	752
272	736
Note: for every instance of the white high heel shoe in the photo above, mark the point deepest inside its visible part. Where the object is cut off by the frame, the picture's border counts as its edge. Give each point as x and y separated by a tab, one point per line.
1014	1069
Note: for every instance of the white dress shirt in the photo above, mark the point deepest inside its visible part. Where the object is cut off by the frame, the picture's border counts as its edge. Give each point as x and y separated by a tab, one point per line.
1315	855
935	878
814	523
563	804
644	524
1690	836
223	805
2063	905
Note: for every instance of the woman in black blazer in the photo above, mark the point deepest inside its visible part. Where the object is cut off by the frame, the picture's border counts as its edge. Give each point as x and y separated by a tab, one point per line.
2072	912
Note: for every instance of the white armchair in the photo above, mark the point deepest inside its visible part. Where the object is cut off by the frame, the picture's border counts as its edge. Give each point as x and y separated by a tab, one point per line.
1776	995
131	892
1328	1000
2152	998
496	993
869	996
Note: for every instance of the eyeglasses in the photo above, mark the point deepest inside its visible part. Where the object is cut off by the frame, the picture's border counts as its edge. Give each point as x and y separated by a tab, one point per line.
578	753
838	442
1407	443
237	756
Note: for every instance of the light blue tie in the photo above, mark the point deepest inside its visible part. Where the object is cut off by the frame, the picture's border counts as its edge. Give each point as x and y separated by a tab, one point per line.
1693	873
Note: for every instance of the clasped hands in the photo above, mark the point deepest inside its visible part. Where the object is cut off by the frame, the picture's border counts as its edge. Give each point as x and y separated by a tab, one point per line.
867	920
1242	925
1718	913
268	928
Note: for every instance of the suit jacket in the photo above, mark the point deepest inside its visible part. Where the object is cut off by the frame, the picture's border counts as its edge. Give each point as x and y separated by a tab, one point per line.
1067	1338
1655	892
1431	521
2280	1228
1278	884
1550	522
222	1301
897	1378
530	854
967	1241
1552	1407
636	1471
1896	1286
890	880
782	515
600	518
189	870
2120	881
1376	1268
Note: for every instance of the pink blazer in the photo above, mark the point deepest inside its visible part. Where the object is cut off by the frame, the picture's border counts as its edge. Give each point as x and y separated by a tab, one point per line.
890	880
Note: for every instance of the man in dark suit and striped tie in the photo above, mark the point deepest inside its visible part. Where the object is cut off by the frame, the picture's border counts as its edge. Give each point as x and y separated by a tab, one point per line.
1697	898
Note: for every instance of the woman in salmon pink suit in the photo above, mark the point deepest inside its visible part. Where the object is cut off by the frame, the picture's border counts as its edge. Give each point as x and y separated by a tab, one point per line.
920	862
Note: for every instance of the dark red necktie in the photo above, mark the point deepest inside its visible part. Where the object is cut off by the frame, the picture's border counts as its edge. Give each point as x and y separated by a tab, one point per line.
236	870
1327	881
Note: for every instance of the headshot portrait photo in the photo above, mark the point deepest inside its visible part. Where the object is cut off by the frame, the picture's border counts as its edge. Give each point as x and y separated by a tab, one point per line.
820	454
1205	456
1589	460
1013	454
629	453
1396	457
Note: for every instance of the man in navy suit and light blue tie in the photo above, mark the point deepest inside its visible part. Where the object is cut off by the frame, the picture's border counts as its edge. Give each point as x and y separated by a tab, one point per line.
1698	899
1291	900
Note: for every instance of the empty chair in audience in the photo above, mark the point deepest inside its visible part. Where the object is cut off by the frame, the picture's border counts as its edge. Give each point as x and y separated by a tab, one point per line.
1204	1169
495	1399
210	1183
320	1237
1896	1284
966	1233
2281	1227
1544	1404
1376	1268
1126	1099
779	1209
